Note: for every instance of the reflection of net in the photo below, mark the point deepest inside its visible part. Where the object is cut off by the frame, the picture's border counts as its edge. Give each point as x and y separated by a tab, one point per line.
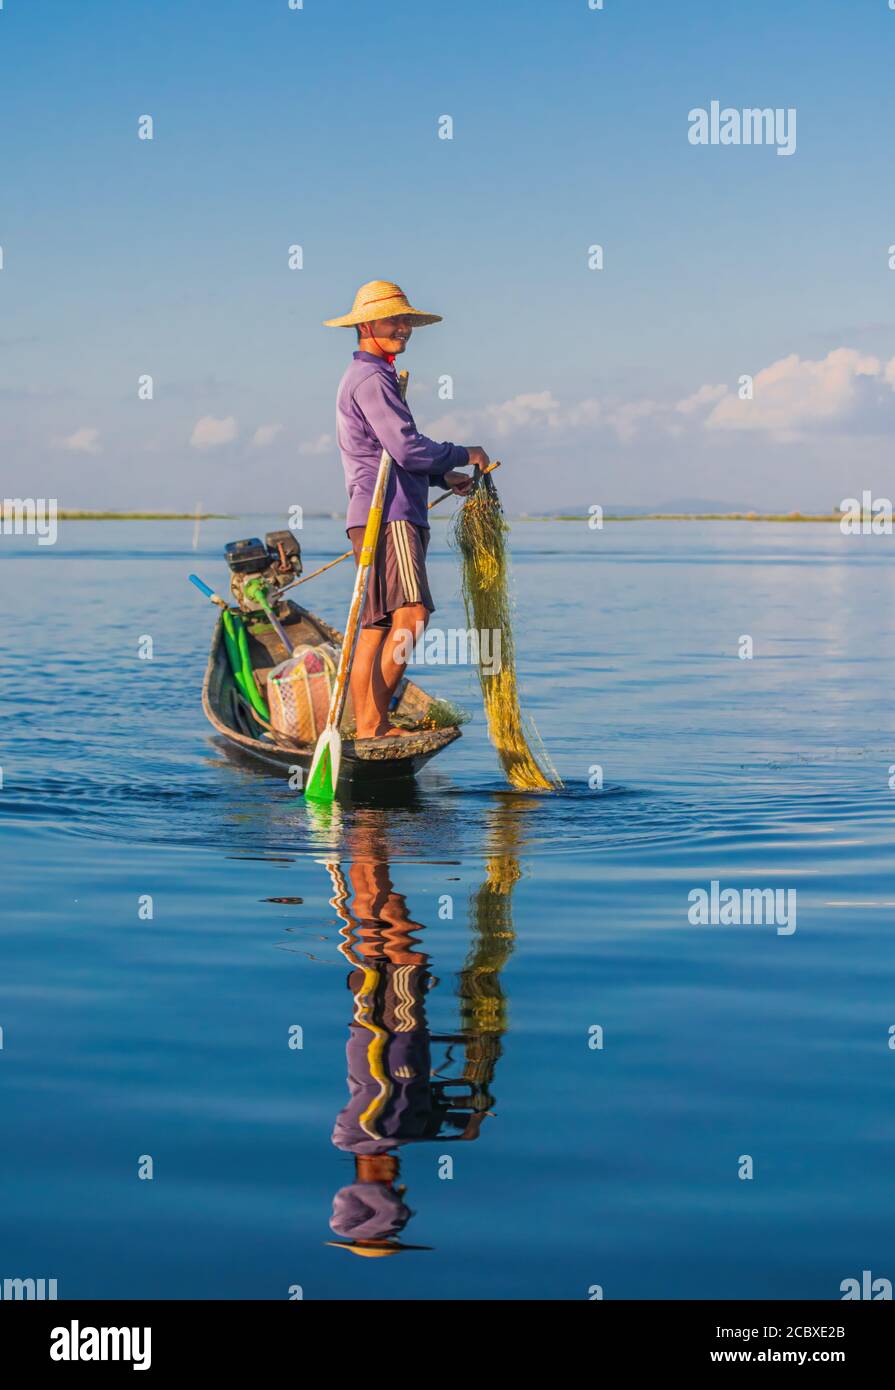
483	1009
480	534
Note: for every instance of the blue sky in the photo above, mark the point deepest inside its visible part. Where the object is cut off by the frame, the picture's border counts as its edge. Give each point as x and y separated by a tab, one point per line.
319	127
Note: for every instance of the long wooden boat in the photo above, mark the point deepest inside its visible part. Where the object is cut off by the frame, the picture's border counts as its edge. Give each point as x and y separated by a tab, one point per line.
365	762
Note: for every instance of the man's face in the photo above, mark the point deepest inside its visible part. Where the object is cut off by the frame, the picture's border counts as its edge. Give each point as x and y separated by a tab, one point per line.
392	334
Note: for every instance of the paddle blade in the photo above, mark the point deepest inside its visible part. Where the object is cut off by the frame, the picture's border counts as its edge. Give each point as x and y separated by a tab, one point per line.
324	774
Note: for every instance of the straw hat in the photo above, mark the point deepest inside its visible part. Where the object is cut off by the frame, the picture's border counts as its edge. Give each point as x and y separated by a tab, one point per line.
381	299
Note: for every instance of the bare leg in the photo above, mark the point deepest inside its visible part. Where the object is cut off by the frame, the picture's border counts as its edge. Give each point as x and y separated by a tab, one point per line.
379	662
368	694
408	625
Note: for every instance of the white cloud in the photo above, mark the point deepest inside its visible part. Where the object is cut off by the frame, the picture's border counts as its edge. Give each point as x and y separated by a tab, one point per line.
626	419
586	412
793	393
789	396
495	420
520	412
323	444
83	441
208	432
264	435
458	426
541	408
706	395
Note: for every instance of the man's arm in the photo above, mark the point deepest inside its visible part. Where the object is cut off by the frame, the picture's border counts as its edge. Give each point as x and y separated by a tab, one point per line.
391	421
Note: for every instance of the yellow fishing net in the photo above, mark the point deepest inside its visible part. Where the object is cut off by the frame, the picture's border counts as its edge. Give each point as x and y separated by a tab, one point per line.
480	534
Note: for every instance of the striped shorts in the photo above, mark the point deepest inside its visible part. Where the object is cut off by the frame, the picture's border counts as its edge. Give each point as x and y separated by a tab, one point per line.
398	576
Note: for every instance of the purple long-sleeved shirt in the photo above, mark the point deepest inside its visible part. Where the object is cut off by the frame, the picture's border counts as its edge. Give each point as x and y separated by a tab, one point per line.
370	417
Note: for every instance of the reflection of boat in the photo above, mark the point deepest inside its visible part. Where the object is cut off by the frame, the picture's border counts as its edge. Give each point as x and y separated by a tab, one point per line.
259	573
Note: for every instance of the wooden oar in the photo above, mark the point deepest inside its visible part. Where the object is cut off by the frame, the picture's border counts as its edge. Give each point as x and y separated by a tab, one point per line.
339	558
324	773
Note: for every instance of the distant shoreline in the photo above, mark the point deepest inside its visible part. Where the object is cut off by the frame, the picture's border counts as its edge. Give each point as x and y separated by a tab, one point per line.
701	516
825	517
143	516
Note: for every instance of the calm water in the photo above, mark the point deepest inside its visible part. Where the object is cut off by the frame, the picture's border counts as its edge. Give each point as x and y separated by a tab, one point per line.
470	936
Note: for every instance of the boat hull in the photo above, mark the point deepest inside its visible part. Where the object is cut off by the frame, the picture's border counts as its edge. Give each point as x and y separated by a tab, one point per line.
365	764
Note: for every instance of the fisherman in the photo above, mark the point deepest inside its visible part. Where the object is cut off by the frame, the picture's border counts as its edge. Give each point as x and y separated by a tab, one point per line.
371	416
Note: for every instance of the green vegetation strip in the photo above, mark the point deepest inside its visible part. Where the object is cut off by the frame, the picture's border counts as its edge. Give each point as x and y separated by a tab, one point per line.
142	516
699	516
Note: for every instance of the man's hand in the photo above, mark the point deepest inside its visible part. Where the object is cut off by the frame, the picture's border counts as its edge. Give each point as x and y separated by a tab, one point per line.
477	457
461	483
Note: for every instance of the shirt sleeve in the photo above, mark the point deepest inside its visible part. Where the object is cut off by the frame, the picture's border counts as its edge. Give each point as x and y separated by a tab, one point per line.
379	397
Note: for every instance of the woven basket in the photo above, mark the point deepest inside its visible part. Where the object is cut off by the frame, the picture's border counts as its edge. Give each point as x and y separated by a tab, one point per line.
299	691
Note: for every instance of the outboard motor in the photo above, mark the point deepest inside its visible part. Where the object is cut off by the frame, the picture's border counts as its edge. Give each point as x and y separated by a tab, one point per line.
286	549
274	563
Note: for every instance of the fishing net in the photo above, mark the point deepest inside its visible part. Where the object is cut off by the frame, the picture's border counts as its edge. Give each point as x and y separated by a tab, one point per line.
480	534
444	714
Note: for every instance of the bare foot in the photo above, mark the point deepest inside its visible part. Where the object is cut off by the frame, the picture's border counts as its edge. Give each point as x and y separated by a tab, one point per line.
389	731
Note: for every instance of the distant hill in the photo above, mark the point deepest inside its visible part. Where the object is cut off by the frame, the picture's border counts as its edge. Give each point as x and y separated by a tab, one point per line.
676	506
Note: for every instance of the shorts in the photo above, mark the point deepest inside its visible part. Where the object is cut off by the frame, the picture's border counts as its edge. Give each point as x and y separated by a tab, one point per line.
398	576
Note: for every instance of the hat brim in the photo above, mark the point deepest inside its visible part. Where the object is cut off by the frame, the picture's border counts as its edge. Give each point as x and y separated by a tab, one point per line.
400	311
375	1251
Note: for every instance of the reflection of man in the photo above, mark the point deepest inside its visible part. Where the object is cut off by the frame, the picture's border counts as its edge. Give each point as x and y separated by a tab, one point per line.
371	1211
394	1098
